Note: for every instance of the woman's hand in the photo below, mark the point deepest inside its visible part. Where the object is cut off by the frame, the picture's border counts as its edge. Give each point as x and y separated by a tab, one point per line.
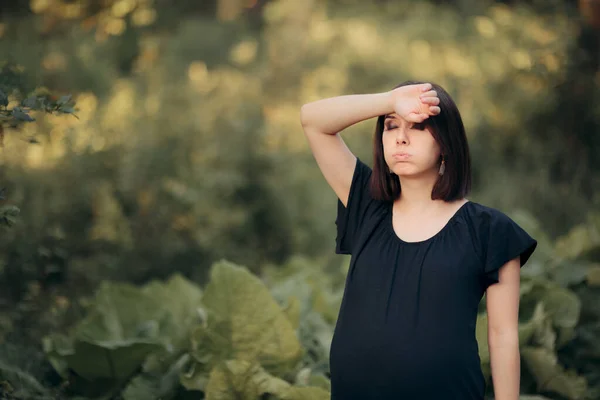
415	103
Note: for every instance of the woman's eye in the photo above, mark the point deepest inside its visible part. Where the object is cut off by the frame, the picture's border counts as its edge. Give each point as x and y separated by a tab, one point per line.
391	127
420	127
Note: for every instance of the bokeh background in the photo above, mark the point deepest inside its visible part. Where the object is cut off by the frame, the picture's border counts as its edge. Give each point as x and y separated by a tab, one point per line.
175	238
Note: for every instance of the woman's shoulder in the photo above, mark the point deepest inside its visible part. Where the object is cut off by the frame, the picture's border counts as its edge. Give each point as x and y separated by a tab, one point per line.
498	238
482	216
482	210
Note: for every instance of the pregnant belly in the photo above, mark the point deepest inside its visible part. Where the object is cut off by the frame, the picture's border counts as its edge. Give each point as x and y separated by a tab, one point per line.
377	367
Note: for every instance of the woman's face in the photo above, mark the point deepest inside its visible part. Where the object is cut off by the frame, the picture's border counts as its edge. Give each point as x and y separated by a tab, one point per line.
409	149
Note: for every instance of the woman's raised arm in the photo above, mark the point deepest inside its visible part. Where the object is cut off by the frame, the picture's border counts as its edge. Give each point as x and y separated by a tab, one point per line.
323	120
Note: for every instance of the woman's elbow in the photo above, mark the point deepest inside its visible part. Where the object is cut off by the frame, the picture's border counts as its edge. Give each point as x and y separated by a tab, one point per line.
305	115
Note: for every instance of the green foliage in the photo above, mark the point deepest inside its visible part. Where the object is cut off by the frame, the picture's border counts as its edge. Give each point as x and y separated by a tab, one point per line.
136	338
125	325
40	99
244	323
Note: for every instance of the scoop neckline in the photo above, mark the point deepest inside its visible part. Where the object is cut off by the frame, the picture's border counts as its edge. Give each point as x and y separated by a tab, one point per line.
390	225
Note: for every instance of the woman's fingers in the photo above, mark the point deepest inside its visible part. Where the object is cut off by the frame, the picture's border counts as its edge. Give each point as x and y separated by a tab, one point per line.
434	101
430	98
425	87
416	117
428	93
435	110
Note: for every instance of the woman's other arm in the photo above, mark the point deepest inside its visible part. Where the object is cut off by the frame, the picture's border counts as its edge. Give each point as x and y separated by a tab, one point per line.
502	301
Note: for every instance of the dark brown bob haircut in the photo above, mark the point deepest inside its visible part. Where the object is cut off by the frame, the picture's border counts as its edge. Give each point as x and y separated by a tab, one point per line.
449	132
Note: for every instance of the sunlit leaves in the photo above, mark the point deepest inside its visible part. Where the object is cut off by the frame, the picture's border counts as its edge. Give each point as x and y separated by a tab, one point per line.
16	107
244	321
21	115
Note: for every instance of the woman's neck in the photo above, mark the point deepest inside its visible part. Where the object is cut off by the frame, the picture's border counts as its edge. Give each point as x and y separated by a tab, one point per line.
415	194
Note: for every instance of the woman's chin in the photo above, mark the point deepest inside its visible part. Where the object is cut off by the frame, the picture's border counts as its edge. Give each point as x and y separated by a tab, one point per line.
410	172
405	170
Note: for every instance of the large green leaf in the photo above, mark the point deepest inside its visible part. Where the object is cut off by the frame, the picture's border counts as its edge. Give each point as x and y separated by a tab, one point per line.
214	342
113	360
180	301
244	322
550	376
125	325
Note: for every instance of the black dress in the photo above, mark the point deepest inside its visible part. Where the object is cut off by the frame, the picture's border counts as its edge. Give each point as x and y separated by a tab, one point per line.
406	326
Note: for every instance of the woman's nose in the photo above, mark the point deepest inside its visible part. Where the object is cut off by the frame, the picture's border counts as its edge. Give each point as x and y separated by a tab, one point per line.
401	137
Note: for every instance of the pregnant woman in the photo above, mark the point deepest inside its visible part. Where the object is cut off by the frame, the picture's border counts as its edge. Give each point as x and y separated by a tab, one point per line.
422	254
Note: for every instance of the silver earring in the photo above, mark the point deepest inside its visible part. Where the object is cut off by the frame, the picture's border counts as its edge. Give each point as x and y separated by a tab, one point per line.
442	167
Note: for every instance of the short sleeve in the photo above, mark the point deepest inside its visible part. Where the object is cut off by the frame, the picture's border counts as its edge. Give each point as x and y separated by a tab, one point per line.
350	218
502	240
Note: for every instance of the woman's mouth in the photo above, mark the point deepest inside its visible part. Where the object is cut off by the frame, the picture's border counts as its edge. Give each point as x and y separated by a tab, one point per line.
401	156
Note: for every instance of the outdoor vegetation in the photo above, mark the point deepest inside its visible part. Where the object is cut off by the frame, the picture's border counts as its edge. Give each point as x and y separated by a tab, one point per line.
165	232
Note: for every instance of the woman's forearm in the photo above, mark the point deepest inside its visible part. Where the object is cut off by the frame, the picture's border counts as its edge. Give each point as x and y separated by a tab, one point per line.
506	368
335	114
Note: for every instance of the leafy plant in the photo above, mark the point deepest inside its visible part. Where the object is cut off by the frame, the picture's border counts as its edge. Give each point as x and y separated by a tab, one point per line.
16	92
125	325
244	323
136	340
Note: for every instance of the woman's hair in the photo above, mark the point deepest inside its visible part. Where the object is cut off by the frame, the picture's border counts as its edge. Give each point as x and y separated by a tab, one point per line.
449	132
